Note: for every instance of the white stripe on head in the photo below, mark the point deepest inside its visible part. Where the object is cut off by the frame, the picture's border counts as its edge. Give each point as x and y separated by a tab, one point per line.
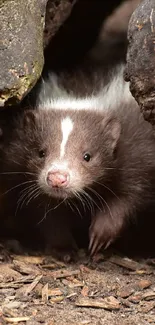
66	127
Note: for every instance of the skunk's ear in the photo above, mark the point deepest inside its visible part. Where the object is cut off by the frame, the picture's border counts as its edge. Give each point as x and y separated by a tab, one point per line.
112	129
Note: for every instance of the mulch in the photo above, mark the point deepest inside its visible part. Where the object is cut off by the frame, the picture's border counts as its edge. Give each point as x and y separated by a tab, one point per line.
111	289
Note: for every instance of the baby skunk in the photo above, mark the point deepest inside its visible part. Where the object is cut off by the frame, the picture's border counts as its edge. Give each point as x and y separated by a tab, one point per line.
96	149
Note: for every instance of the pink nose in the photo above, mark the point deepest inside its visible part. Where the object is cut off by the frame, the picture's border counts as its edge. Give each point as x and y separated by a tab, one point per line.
57	179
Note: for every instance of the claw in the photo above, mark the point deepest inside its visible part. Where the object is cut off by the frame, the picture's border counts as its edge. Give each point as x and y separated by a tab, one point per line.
99	237
95	247
91	243
108	244
100	246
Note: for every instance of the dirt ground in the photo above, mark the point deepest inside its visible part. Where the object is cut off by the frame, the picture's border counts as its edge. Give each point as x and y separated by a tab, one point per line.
110	290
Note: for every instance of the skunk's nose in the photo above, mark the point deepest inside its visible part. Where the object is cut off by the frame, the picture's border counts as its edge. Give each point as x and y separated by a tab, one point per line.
57	178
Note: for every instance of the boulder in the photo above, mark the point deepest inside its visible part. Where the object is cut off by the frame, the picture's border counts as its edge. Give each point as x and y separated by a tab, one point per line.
140	69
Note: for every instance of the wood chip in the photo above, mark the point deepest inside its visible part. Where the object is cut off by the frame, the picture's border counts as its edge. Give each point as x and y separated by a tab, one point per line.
16	319
8	312
125	303
38	289
8	274
8	307
147	307
33	284
135	298
73	284
56	299
84	291
51	266
64	273
109	303
54	292
142	272
25	268
17	283
45	293
29	259
125	292
51	260
150	295
25	279
84	322
127	263
73	294
143	284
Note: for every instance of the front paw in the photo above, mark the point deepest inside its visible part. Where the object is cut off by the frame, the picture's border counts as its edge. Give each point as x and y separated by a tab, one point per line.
102	233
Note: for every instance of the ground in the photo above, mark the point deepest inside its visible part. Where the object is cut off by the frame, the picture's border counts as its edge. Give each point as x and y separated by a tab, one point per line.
110	290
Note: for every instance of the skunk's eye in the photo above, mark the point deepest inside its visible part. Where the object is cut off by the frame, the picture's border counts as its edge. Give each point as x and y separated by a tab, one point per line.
41	153
86	157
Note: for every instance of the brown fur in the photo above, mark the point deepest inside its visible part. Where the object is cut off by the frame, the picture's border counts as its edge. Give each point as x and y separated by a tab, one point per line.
120	177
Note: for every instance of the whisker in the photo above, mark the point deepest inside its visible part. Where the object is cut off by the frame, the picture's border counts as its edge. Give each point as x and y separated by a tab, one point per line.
22	199
109	189
28	187
77	209
53	208
33	194
37	194
44	216
117	168
103	201
79	197
97	195
14	187
12	173
69	203
26	190
89	201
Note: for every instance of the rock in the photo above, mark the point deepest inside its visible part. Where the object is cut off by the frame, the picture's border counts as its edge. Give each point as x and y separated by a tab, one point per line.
21	48
56	13
140	70
23	41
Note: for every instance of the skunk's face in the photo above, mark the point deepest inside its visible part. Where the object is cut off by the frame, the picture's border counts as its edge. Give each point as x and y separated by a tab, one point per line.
64	152
77	152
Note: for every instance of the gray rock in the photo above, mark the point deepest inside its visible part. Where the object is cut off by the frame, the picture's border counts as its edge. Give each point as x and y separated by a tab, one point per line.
21	47
140	70
24	33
